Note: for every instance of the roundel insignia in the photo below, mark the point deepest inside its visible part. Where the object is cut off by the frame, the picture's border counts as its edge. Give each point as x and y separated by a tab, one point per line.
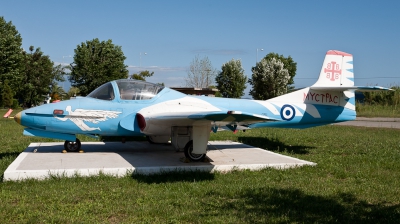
288	112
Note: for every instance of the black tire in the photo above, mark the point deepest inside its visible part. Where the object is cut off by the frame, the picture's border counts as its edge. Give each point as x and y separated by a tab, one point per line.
72	146
191	156
149	140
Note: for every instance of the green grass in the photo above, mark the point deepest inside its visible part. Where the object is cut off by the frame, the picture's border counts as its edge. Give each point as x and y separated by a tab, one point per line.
367	110
356	181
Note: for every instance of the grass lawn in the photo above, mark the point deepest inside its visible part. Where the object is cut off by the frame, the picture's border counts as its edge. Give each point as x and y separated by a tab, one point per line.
356	180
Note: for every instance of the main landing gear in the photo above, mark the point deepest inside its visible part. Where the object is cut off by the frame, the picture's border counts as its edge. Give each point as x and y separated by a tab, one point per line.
182	139
70	146
188	150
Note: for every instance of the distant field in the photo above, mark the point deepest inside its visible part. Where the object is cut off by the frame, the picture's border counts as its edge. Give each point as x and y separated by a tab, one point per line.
356	181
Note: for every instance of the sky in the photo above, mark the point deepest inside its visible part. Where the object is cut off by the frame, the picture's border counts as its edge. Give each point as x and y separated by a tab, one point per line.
165	36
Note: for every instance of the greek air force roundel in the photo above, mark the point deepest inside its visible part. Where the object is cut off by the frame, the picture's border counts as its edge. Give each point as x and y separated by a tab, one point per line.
288	112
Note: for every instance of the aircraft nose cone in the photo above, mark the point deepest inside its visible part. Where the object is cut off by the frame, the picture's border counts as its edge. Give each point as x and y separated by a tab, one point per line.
17	118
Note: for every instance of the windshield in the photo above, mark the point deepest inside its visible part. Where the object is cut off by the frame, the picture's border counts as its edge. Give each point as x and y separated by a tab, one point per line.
104	92
131	89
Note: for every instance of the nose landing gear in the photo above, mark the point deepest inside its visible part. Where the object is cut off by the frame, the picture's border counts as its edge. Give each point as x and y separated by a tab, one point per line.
70	146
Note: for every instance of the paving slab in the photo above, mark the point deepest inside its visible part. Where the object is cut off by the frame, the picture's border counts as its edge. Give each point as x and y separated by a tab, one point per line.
376	122
41	160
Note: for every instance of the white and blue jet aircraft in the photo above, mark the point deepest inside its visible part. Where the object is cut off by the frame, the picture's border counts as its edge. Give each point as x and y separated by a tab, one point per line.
129	107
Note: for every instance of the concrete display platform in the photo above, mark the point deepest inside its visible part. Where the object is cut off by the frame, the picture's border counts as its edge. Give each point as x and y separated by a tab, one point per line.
41	160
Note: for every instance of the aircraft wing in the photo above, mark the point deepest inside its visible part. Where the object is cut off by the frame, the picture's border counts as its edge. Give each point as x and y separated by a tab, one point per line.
231	116
214	116
235	119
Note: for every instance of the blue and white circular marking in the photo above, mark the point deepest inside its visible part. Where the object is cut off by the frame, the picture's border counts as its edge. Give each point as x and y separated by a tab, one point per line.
288	112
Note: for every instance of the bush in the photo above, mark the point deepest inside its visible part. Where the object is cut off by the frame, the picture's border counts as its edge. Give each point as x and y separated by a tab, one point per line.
15	104
383	98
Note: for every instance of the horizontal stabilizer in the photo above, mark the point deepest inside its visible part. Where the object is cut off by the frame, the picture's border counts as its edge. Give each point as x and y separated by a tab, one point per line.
346	88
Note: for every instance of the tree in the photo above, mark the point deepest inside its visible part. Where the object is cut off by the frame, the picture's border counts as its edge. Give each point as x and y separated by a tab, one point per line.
218	93
142	75
288	64
231	81
59	73
200	74
11	56
96	63
37	78
72	92
7	94
269	79
57	92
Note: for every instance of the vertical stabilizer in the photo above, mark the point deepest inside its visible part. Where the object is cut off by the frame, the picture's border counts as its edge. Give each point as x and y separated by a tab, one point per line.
330	100
335	85
337	70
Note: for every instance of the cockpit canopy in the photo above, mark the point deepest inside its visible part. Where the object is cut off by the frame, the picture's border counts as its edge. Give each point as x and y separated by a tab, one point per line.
128	89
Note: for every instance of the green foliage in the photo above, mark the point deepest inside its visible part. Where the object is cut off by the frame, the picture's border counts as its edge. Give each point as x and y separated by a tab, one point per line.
231	81
200	74
57	92
380	104
30	74
37	78
383	97
367	110
7	94
288	64
72	92
11	51
11	56
269	79
217	94
59	73
142	75
96	63
15	104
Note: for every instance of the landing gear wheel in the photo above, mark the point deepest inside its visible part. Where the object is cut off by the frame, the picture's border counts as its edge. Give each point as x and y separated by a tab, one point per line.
192	156
72	146
150	140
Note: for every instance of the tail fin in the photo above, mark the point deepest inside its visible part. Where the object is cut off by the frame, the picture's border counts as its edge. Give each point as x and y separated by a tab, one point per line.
331	99
335	85
337	70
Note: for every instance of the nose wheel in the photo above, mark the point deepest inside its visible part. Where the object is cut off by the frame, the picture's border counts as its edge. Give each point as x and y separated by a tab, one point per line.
70	146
